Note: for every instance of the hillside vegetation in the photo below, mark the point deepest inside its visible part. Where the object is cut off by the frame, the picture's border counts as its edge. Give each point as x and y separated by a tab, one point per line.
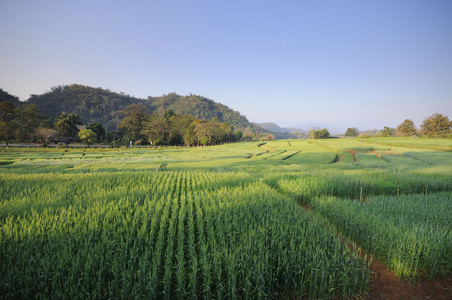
105	106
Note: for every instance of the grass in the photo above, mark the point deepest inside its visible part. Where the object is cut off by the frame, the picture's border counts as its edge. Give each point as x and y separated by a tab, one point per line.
118	223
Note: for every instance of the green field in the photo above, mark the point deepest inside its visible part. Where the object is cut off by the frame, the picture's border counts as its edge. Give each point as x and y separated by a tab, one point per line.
223	222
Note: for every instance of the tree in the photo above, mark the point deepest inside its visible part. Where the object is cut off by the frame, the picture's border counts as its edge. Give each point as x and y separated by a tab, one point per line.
6	97
388	131
27	120
248	134
157	130
319	134
132	124
7	115
169	113
406	128
352	132
178	128
437	125
67	124
237	135
98	129
46	134
190	135
205	131
224	133
87	136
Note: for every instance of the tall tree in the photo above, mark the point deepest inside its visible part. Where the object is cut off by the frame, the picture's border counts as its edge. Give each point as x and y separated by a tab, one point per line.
169	113
437	125
157	130
45	134
6	97
27	120
205	131
132	124
388	131
352	132
67	124
319	134
178	128
98	129
190	134
7	115
406	128
87	136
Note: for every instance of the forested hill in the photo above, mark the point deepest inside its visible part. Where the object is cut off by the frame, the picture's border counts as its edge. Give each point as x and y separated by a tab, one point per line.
92	104
105	106
272	127
283	133
199	107
4	96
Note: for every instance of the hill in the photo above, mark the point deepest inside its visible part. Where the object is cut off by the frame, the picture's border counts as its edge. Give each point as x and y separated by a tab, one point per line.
199	107
272	127
4	96
104	106
283	133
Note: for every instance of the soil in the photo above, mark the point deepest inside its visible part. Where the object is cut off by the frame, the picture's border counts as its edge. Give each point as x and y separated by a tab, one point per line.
378	154
384	284
353	153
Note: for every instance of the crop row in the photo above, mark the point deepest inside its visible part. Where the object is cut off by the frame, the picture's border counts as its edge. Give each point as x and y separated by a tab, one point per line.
164	235
411	234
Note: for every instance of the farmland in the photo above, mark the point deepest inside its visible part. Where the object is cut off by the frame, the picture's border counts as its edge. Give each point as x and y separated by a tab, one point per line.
236	221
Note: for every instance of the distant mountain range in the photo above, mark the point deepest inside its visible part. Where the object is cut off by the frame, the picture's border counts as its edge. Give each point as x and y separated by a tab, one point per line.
283	133
292	132
272	127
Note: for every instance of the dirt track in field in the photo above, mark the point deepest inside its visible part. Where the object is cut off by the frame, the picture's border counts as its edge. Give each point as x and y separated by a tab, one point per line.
384	284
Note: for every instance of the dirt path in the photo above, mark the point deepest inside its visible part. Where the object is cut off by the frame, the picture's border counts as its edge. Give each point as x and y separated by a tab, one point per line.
353	153
386	285
378	154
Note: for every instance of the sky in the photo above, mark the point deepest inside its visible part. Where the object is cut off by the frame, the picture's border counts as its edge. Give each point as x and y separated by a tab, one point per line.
337	63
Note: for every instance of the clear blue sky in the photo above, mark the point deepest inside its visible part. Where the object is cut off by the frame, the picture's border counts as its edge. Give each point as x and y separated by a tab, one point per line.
340	63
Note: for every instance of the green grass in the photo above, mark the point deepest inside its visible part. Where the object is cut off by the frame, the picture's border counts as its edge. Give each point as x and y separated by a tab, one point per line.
411	234
125	235
221	221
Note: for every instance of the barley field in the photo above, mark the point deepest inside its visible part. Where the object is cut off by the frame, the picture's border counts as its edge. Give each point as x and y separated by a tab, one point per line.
223	222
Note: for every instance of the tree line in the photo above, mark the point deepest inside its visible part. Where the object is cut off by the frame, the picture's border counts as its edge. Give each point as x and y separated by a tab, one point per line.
25	123
434	126
137	122
167	128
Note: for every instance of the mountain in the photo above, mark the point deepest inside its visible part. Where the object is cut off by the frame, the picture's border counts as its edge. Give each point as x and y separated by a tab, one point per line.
4	96
272	127
313	128
283	133
292	129
332	130
199	107
104	106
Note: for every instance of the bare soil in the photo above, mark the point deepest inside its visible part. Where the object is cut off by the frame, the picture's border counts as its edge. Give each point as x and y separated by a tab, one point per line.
378	154
384	284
